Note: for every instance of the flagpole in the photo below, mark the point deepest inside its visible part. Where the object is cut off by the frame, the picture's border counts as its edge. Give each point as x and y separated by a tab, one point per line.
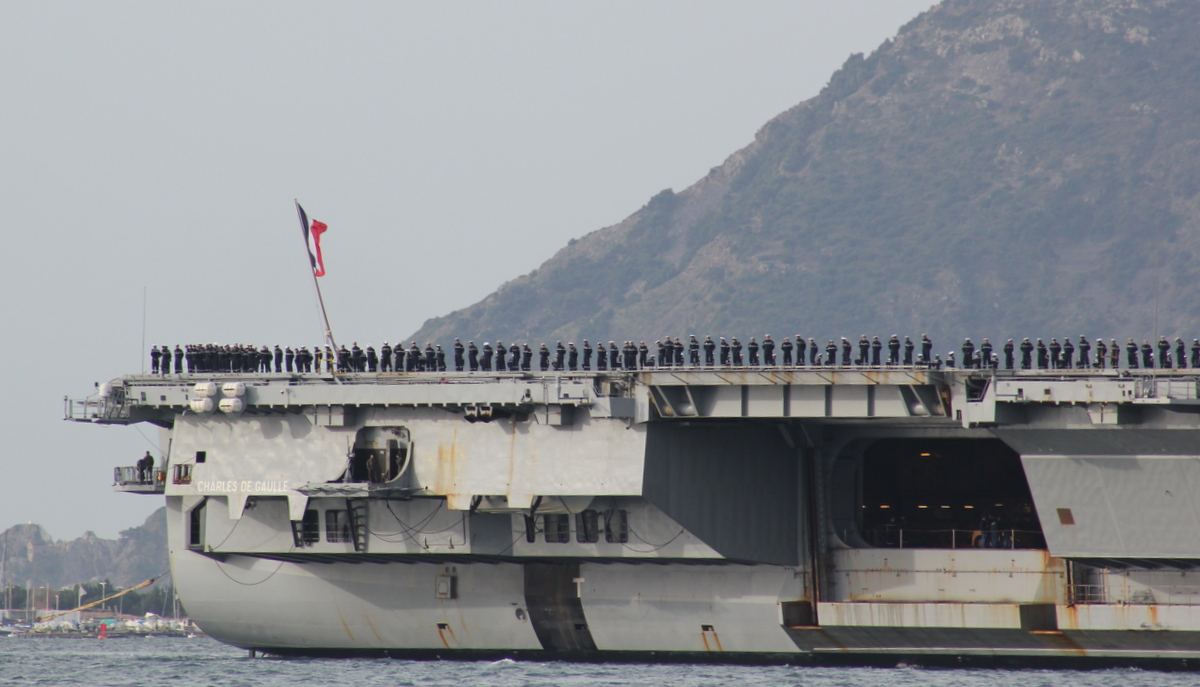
316	284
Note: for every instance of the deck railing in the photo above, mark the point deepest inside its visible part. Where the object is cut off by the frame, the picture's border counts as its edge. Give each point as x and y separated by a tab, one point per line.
902	538
131	478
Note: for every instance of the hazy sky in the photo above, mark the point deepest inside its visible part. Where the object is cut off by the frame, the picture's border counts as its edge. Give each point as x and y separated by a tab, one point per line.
449	147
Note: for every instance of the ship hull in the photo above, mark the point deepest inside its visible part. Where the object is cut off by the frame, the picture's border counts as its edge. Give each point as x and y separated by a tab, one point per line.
875	517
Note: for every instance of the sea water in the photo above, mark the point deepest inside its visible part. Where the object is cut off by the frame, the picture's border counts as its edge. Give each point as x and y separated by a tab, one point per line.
147	662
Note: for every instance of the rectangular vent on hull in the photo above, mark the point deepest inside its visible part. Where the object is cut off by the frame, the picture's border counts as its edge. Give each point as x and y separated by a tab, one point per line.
337	526
196	521
558	528
587	527
616	526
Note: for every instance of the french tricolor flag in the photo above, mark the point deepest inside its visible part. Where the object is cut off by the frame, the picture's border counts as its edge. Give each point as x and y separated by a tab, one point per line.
312	239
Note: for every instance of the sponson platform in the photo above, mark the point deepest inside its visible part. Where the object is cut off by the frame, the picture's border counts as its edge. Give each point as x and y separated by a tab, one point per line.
863	514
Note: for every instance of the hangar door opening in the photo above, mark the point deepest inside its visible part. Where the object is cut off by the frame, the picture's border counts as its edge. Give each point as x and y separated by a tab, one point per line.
947	493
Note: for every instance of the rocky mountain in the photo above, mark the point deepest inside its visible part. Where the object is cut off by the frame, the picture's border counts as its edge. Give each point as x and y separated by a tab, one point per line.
31	555
1000	168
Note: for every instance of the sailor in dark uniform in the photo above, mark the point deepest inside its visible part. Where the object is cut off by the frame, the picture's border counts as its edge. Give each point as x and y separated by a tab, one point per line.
643	355
985	353
614	356
846	351
1085	352
472	356
544	357
572	356
864	345
501	353
430	357
724	352
514	358
560	354
736	347
678	352
694	351
752	350
1055	354
893	350
278	359
831	350
1101	353
166	360
908	351
372	360
400	357
485	359
1180	353
630	351
661	357
1164	351
526	357
1195	352
1009	349
459	350
440	357
926	349
876	351
1043	358
154	358
601	357
968	351
812	351
1131	353
1114	353
1147	355
709	348
786	349
587	355
385	357
768	351
1068	353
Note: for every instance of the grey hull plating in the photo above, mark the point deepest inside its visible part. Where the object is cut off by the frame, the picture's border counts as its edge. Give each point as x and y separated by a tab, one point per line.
740	515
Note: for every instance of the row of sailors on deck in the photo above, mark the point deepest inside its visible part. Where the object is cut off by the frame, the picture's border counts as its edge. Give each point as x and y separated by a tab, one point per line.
672	352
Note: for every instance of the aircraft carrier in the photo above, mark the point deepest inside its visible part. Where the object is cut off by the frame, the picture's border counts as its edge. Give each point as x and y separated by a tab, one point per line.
838	514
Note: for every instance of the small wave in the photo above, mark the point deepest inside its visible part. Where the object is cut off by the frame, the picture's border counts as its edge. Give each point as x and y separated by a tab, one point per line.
504	662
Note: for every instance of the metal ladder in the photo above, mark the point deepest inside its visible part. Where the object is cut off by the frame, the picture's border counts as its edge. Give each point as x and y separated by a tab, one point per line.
358	523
